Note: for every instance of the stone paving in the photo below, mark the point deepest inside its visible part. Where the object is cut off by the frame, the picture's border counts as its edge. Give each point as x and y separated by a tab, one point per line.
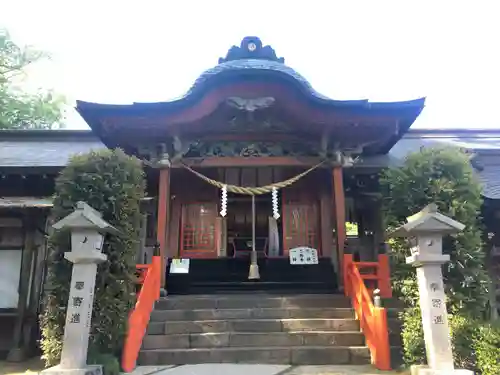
33	366
243	369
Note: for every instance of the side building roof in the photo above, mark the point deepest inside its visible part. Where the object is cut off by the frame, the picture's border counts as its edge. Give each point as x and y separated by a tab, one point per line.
485	143
54	148
44	148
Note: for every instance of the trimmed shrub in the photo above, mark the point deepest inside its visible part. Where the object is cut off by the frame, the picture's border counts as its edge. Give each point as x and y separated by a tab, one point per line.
112	183
487	349
462	332
443	176
412	336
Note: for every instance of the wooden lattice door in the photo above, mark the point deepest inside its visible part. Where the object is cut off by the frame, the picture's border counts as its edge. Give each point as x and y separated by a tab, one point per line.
199	237
300	225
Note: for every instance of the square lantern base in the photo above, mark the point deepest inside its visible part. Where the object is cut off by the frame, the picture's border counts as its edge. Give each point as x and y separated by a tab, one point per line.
89	370
424	370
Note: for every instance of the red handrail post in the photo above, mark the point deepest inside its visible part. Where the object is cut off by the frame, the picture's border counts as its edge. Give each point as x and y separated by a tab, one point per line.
157	264
348	260
372	320
383	356
139	317
384	276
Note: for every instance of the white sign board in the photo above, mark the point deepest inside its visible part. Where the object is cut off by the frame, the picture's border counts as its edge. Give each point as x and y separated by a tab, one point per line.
179	266
303	255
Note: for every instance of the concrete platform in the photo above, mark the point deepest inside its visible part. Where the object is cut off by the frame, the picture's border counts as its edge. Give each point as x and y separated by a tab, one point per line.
249	369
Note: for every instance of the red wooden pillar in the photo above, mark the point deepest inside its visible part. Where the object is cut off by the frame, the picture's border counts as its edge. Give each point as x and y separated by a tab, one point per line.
162	218
347	261
339	214
384	276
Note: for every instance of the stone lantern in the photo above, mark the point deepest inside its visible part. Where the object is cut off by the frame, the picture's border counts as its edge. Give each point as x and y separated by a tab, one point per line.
87	238
427	229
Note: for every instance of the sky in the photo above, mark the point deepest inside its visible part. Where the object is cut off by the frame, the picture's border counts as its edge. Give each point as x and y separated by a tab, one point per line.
125	51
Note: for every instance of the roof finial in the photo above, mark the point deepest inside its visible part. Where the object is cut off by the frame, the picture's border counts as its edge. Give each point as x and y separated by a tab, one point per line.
251	48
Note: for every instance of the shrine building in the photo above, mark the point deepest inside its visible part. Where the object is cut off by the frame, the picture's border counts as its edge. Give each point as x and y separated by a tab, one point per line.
250	122
256	184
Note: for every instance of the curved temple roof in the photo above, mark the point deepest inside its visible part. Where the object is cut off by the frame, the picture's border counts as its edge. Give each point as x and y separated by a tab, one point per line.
251	58
251	62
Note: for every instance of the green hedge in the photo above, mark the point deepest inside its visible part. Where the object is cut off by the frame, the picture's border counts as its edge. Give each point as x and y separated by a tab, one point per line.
443	176
412	335
487	348
112	183
476	344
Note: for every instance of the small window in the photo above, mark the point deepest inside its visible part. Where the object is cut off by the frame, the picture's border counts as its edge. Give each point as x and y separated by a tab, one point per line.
351	229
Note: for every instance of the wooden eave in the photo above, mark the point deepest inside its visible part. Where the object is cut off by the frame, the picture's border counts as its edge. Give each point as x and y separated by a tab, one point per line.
153	121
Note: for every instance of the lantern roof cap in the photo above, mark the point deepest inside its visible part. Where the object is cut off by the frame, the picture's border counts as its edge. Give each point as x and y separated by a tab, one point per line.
85	217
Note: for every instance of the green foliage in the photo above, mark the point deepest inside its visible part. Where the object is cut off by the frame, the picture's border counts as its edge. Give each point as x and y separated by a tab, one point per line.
487	349
462	330
412	335
443	176
112	183
19	109
476	344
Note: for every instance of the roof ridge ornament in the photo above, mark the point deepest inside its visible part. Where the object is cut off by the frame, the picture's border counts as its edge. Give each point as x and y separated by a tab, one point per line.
251	48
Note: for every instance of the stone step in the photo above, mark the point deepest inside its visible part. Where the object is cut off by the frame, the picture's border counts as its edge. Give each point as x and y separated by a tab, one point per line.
277	287
259	313
394	323
253	339
320	355
251	301
251	325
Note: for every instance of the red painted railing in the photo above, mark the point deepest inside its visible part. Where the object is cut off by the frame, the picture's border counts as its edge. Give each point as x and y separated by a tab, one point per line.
373	320
381	275
150	278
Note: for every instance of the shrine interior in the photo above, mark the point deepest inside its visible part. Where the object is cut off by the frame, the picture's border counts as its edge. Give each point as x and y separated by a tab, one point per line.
240	227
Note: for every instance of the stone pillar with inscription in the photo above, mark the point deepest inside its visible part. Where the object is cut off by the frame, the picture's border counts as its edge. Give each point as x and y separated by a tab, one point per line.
427	229
87	235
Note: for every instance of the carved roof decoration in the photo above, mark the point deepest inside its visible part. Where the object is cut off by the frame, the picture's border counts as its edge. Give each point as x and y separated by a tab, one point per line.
251	48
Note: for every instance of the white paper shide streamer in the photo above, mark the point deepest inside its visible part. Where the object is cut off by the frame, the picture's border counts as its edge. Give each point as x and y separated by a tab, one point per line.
223	203
274	193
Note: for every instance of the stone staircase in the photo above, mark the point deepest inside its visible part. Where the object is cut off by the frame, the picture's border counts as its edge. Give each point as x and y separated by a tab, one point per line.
254	328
